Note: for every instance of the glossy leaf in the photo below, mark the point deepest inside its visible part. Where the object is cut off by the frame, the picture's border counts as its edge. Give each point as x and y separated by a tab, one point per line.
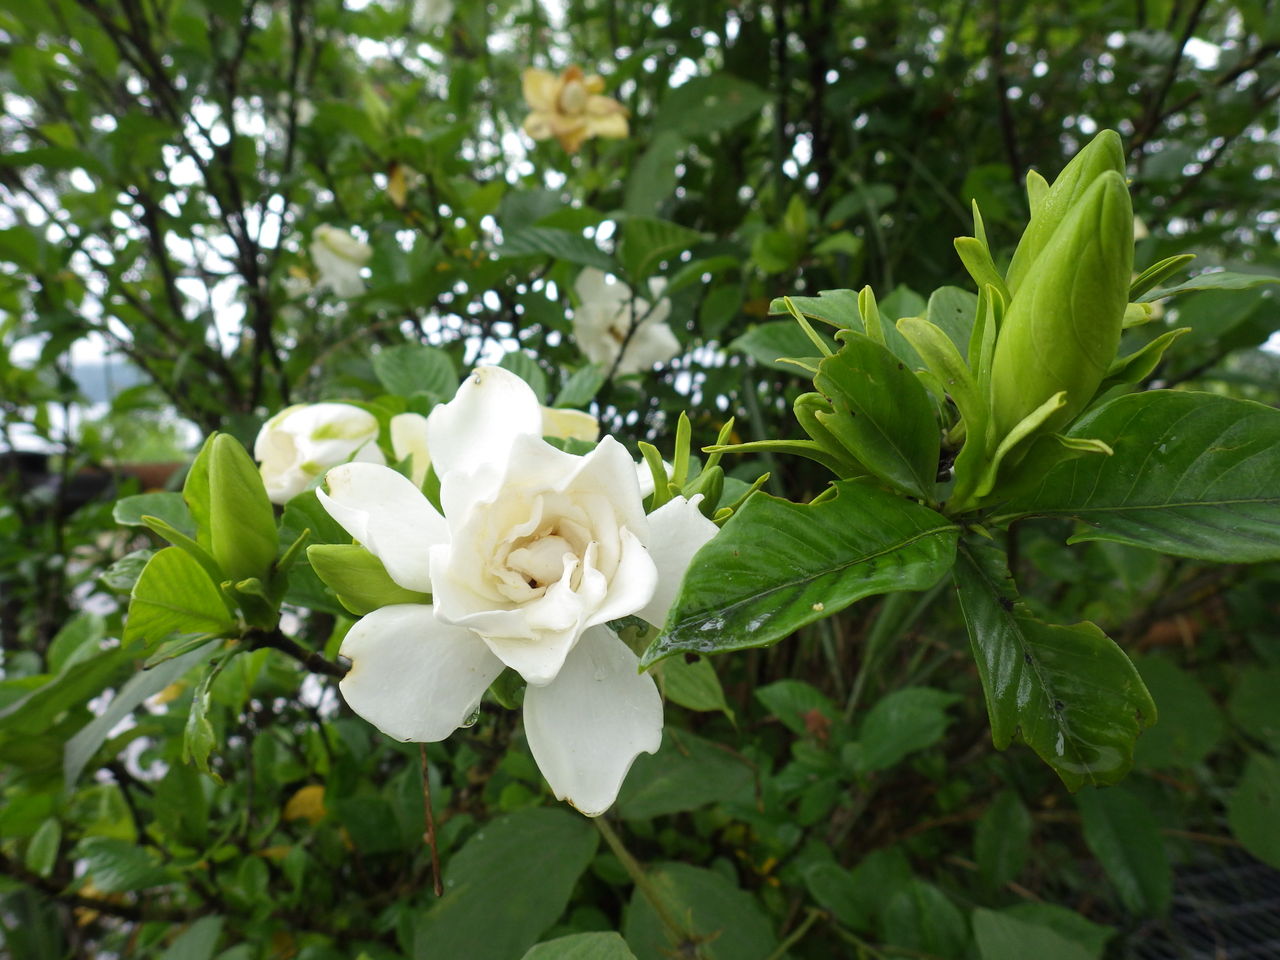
1196	475
882	415
776	566
1068	692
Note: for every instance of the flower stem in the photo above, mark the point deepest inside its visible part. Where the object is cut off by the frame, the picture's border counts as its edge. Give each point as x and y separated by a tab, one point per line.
796	935
675	932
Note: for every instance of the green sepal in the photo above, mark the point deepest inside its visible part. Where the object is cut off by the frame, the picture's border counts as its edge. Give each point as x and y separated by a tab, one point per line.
661	485
358	578
1151	277
508	689
809	449
965	499
806	408
243	535
1037	190
943	359
257	606
680	458
710	484
869	310
807	327
977	260
1140	364
1137	315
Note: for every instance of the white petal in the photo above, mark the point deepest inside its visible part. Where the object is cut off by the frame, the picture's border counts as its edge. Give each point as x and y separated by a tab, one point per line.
588	725
539	660
413	677
633	585
677	530
593	286
651	344
409	439
492	407
390	516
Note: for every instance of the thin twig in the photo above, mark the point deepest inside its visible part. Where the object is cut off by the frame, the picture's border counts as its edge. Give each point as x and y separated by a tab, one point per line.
429	822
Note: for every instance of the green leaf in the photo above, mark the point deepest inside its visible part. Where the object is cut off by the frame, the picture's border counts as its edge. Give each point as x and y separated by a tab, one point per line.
526	368
1149	277
169	507
121	576
582	387
647	241
839	308
767	343
197	942
81	748
901	723
882	415
1067	692
685	774
1002	840
795	702
1190	722
653	176
358	578
583	946
1090	936
1219	280
1255	706
175	595
33	714
198	739
694	686
1120	831
411	368
921	917
118	866
506	886
566	245
726	922
1254	808
42	850
77	639
709	104
1003	937
776	566
1193	474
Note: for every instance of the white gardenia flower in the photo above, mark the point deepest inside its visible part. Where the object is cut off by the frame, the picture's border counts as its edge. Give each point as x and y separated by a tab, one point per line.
536	551
426	15
301	442
339	257
603	317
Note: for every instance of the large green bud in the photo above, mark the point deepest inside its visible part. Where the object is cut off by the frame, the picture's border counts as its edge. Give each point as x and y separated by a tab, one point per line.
1063	327
1102	154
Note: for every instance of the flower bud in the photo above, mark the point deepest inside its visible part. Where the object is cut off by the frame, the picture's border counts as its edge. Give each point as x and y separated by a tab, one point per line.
301	442
242	527
1102	154
1063	327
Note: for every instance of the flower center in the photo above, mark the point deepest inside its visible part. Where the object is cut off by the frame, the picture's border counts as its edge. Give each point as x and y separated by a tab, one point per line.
541	562
573	98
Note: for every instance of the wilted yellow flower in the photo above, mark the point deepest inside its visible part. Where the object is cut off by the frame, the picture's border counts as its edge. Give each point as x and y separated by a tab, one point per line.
570	108
307	804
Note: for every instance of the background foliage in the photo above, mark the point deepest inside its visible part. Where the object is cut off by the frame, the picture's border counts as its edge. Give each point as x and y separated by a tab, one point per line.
162	166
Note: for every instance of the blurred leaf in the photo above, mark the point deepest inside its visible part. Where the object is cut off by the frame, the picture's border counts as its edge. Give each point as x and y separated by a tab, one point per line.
708	104
526	368
581	388
726	922
411	368
1003	937
583	946
506	886
1218	280
1253	811
838	307
1190	722
1002	840
647	241
686	773
768	342
1255	706
34	713
904	721
1121	833
78	639
921	917
1089	936
42	850
1193	474
653	177
197	942
118	866
776	566
81	748
561	244
1068	692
